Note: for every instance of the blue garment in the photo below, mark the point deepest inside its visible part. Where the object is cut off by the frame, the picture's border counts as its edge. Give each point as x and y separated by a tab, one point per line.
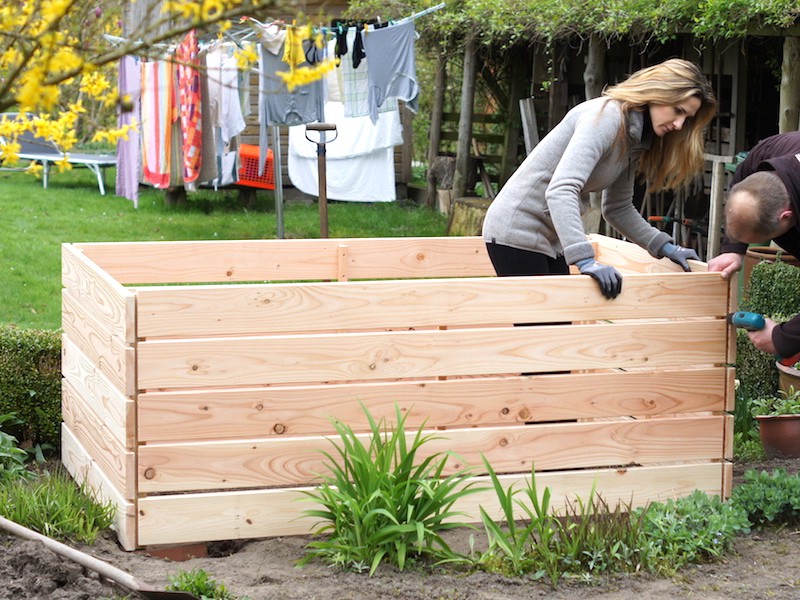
391	63
278	106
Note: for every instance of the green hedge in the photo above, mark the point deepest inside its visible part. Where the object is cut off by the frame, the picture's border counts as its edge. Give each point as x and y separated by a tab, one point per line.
30	383
774	291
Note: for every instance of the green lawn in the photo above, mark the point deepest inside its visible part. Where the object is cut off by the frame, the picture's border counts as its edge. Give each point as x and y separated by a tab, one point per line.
35	222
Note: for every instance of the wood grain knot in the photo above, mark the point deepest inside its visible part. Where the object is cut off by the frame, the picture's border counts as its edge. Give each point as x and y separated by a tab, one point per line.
149	473
279	428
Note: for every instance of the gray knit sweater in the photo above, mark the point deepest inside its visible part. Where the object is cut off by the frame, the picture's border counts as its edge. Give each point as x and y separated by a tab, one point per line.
540	206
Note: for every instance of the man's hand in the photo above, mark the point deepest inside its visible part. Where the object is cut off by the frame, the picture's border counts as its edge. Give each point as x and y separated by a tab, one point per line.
679	255
727	264
608	277
762	339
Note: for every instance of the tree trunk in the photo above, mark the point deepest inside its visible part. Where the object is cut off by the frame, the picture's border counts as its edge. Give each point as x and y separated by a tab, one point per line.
594	79
436	127
790	86
465	123
594	76
466	216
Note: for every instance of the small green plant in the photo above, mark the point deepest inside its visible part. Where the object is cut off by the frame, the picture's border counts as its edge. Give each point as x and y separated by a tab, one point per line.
588	539
782	403
198	582
384	501
12	457
747	446
769	498
54	505
689	530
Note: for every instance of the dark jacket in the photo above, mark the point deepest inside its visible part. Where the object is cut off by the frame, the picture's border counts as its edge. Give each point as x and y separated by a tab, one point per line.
781	154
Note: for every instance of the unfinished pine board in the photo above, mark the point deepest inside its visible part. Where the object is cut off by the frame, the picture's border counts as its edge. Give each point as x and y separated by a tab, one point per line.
282	260
298	410
274	512
114	357
299	460
256	360
200	311
101	295
203	402
85	470
630	258
116	411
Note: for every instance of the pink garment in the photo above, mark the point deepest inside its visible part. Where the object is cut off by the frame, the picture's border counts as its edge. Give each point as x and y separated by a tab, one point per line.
189	105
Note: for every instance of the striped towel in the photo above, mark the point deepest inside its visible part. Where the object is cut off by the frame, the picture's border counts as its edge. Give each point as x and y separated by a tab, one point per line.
157	110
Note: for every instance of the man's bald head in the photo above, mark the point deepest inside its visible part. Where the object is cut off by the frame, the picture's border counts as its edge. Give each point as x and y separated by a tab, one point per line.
758	208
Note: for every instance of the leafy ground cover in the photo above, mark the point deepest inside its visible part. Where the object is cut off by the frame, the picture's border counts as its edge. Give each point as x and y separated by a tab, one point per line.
762	565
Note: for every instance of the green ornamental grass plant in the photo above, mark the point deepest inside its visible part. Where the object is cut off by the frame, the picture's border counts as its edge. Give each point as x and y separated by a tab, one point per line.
54	505
384	500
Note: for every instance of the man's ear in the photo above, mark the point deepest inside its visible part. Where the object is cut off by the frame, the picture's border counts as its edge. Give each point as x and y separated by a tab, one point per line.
787	216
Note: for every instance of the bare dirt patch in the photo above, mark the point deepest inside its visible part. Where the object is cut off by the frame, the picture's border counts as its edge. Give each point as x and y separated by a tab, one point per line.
763	565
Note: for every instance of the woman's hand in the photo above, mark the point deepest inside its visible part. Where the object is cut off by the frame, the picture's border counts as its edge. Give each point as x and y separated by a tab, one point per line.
608	277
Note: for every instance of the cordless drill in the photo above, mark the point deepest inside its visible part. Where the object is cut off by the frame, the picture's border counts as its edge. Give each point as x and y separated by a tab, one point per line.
755	322
747	320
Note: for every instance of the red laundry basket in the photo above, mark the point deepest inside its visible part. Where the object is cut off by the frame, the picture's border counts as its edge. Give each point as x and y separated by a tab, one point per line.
248	172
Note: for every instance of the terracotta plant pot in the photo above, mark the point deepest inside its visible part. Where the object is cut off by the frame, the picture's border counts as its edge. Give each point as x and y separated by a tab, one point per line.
757	254
780	435
788	377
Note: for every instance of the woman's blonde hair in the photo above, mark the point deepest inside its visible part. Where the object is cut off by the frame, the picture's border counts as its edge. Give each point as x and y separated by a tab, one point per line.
677	157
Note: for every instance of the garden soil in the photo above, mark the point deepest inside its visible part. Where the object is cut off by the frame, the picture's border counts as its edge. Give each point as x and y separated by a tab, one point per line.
764	564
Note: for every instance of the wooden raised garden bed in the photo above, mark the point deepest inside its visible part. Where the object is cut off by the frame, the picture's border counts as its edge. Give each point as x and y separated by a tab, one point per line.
200	377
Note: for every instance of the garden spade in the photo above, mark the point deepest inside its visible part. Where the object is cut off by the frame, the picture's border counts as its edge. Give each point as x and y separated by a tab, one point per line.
94	564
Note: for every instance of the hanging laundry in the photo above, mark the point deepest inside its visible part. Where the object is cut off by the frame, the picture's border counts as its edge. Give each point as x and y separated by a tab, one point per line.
354	85
224	109
158	108
278	106
392	66
188	63
129	155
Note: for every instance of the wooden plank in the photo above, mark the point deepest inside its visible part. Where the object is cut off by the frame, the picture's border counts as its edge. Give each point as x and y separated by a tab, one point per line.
113	459
301	410
115	358
187	518
287	260
112	407
370	356
199	311
631	258
101	295
569	445
85	471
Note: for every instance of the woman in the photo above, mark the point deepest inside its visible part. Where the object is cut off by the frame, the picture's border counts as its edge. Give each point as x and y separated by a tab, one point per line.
650	125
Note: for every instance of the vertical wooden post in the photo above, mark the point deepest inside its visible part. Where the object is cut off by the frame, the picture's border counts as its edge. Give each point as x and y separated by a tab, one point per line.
715	208
594	78
519	82
465	123
789	115
436	127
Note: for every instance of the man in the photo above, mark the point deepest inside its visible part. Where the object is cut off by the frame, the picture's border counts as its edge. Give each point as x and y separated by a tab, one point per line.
764	203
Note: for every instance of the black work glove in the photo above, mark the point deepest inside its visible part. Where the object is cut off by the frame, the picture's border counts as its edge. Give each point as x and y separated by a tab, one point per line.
608	277
679	255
